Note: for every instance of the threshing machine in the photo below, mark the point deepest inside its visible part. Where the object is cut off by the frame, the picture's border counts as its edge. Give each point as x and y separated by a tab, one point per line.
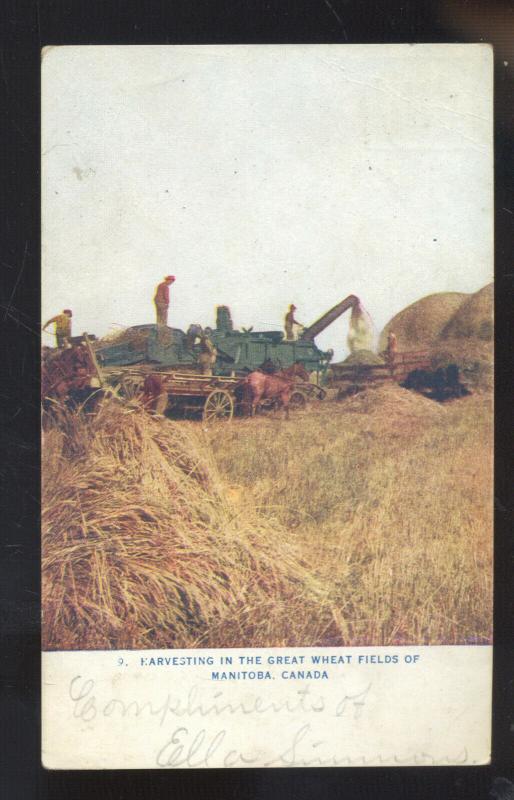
237	351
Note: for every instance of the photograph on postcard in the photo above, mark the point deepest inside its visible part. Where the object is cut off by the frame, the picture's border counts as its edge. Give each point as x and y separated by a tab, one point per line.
267	355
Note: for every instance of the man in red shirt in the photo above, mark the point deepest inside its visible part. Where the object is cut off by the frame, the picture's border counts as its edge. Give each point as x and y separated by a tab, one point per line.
162	299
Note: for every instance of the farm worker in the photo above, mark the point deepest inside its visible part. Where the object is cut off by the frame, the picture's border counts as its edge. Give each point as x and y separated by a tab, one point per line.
162	299
207	357
392	346
193	332
390	352
62	328
289	324
155	396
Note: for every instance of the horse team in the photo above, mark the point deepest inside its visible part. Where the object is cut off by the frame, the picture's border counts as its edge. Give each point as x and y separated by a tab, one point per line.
252	391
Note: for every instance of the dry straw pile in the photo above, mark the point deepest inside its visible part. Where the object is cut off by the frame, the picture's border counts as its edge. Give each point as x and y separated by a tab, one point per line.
467	339
454	328
120	335
141	548
420	324
473	318
390	401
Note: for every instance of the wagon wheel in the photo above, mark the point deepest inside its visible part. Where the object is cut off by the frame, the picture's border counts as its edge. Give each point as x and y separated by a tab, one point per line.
218	405
298	399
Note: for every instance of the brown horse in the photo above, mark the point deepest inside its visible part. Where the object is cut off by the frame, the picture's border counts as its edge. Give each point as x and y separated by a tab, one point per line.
259	386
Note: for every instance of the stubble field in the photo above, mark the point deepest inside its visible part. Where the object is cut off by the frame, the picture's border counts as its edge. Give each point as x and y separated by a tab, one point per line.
362	522
388	496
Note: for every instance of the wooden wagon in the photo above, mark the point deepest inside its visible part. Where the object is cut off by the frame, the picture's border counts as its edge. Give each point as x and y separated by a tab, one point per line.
186	392
211	396
183	392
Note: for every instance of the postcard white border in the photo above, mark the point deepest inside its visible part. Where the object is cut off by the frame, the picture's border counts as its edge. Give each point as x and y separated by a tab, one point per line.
121	710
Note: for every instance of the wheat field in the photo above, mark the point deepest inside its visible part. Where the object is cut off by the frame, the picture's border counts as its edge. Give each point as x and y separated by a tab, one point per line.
362	522
389	497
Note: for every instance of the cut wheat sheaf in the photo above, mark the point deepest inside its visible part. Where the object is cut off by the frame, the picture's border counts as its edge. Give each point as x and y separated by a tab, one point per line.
141	548
366	522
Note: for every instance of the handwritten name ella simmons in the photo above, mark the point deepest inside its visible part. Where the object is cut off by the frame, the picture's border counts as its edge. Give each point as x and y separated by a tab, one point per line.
196	749
191	746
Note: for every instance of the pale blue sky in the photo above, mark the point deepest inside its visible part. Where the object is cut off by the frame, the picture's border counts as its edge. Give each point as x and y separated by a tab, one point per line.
262	176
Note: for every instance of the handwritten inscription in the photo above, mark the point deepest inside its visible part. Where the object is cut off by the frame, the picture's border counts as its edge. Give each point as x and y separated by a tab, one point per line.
86	706
201	740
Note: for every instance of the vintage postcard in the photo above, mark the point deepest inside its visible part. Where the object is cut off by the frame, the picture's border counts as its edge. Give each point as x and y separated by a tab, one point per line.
267	405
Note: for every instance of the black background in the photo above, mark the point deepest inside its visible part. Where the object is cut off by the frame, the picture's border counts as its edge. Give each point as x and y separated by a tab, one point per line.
25	27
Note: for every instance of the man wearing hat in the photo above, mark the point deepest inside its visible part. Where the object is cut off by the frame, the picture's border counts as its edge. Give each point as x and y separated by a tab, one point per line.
62	328
289	324
162	299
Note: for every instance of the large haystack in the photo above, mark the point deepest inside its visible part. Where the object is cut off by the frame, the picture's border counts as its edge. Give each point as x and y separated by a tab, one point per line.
421	323
467	340
141	548
473	318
